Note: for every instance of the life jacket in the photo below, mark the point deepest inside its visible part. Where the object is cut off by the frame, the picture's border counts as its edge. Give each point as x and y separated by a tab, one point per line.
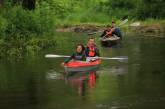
91	51
109	33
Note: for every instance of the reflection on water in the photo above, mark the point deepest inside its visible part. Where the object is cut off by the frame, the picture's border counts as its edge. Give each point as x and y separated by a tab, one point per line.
81	80
116	70
117	44
53	75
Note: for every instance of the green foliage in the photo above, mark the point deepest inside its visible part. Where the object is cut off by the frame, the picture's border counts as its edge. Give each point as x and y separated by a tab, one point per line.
14	47
151	9
58	9
3	26
27	23
18	46
19	27
36	44
140	9
120	4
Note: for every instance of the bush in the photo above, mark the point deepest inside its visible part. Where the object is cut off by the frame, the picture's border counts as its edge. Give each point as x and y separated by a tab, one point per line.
151	9
19	27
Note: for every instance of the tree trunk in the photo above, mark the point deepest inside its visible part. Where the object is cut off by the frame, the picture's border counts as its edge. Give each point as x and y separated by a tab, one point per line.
16	2
1	2
29	4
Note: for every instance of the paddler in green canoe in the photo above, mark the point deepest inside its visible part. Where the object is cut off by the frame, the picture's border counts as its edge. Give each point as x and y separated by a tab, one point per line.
78	55
112	31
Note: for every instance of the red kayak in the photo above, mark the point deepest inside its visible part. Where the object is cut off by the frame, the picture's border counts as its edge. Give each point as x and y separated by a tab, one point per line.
81	65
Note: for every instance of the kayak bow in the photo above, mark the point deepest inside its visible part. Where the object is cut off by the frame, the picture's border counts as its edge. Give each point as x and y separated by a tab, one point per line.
82	65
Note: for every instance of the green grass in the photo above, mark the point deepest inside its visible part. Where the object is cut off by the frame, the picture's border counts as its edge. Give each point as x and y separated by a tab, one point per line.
154	21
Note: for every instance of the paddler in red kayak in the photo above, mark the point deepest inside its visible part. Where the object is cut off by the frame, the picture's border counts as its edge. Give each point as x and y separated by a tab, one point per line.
78	55
91	51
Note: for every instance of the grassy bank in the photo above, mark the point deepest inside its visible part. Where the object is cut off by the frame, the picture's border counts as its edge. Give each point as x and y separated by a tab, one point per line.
149	28
132	25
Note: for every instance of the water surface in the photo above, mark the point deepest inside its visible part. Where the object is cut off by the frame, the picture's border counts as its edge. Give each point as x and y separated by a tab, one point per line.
39	83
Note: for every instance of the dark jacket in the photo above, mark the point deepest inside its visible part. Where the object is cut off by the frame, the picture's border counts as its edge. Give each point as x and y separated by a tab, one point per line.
76	56
117	32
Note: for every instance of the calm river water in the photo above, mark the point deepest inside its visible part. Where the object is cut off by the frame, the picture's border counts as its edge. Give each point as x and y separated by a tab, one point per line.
40	83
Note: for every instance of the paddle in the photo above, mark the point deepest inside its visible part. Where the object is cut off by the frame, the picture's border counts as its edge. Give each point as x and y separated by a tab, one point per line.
55	56
113	58
135	24
122	23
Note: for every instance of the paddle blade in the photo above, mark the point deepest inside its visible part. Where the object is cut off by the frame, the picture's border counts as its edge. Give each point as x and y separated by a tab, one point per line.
119	58
135	24
116	58
54	56
123	22
122	58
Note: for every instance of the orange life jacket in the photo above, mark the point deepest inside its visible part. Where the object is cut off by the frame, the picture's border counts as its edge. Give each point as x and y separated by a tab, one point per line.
108	33
91	51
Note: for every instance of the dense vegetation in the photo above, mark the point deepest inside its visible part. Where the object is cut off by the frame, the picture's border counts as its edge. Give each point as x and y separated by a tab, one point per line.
24	31
28	25
137	9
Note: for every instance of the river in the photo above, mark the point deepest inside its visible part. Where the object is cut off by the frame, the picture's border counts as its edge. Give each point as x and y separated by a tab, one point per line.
36	82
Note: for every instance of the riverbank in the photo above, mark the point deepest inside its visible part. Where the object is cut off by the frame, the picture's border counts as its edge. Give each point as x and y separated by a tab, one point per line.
145	28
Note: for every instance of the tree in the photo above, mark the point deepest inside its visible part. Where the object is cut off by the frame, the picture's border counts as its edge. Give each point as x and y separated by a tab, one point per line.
29	4
151	9
16	2
1	2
